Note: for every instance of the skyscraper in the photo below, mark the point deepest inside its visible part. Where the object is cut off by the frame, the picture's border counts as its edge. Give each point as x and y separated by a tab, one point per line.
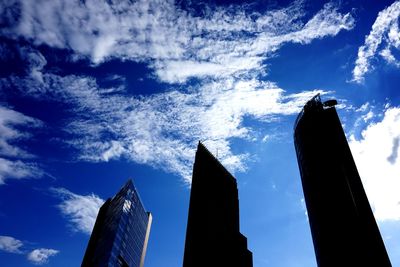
212	235
343	227
121	232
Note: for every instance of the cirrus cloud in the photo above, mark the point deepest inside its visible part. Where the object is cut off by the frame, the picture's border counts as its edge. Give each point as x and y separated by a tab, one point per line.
80	210
384	37
225	49
162	130
14	161
177	43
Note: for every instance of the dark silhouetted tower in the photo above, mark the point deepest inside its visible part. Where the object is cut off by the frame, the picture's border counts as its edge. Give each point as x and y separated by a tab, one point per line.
343	227
212	235
121	232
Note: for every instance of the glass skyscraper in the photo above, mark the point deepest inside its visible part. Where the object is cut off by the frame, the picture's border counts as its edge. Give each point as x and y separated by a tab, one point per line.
121	232
342	224
213	238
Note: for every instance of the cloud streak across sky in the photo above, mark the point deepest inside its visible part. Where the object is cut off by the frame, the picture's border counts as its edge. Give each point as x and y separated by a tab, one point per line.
226	46
80	210
162	130
383	38
14	161
210	70
175	43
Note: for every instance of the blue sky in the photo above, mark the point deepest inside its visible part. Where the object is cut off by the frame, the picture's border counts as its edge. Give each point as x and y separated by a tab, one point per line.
93	93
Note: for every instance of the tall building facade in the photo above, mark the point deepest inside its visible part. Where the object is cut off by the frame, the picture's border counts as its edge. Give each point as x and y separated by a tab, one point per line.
121	232
343	227
212	235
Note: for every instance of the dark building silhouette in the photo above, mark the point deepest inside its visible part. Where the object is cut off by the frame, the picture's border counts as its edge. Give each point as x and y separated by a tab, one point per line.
343	227
121	232
212	235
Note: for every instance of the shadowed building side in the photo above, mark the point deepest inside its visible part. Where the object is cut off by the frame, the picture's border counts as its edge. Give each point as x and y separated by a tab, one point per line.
121	232
212	235
343	227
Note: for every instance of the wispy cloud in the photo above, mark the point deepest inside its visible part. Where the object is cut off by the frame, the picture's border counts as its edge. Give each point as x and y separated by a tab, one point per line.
13	159
384	37
16	169
10	244
377	157
242	50
162	130
80	210
9	132
175	42
41	255
228	46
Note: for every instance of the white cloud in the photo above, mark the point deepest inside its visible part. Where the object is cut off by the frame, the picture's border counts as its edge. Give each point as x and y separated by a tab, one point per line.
80	210
37	256
115	150
16	169
36	61
367	116
377	157
41	255
221	55
384	37
10	244
11	167
363	107
178	44
162	129
9	121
